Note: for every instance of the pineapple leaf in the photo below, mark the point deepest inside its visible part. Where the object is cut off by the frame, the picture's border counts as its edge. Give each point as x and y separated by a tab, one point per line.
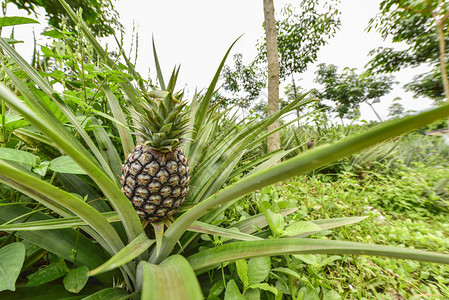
159	233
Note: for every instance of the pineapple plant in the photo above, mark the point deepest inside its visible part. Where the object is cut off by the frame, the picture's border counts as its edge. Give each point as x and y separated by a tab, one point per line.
155	174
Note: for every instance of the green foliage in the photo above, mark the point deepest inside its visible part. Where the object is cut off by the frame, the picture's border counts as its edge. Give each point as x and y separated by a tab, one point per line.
99	15
12	257
12	21
234	237
301	31
411	23
374	194
349	89
249	79
76	279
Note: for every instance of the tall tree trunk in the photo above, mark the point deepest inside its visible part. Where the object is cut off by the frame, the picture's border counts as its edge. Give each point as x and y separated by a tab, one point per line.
273	71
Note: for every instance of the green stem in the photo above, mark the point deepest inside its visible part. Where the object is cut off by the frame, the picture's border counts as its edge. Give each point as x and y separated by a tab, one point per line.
3	141
75	251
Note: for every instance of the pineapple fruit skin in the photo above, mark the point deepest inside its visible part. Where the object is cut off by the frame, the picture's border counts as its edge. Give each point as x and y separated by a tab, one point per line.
156	183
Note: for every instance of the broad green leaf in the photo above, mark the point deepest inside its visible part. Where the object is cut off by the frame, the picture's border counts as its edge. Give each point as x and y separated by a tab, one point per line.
65	164
331	295
112	293
41	169
48	273
207	259
295	274
18	156
252	294
76	279
265	286
11	21
308	293
258	269
172	279
275	221
242	270
307	258
301	228
13	122
55	33
217	289
131	251
233	292
12	257
12	41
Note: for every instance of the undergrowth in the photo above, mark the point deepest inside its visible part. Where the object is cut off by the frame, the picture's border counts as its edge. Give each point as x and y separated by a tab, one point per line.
406	198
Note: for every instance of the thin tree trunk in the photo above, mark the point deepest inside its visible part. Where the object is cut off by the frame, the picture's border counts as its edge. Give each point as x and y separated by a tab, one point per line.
439	23
442	42
273	72
295	95
295	92
371	105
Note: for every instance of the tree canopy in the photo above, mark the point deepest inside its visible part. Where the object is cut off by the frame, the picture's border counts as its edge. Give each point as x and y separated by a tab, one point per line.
348	89
412	24
301	31
100	15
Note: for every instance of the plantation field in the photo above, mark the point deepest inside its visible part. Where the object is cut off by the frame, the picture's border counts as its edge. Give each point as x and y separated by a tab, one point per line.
406	204
116	186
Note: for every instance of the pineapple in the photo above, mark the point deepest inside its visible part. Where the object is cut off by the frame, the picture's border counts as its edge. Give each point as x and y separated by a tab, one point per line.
155	175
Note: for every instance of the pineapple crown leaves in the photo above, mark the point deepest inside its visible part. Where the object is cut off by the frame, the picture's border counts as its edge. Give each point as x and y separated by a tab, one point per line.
163	122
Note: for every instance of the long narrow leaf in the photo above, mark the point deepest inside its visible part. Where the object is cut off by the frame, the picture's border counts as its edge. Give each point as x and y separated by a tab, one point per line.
34	75
130	93
259	221
160	76
52	224
107	148
201	227
207	259
131	251
301	164
125	137
92	217
60	242
121	204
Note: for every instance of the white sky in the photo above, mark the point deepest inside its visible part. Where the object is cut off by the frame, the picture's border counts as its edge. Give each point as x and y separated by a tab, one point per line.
196	34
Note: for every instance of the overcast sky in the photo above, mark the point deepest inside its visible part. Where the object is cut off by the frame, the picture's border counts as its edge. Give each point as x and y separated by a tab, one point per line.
196	34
